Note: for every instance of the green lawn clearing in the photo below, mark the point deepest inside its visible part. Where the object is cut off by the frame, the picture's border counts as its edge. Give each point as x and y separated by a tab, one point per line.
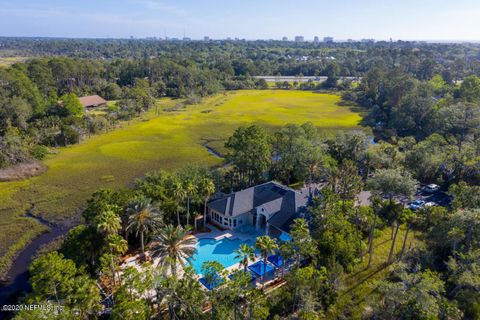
362	282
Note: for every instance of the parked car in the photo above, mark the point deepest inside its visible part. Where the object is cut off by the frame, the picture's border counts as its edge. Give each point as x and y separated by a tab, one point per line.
432	188
417	204
430	204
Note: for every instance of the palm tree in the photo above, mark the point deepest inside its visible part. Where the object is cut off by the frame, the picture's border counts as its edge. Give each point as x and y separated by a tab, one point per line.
190	189
265	245
116	247
179	194
173	246
108	222
286	251
245	254
143	218
407	218
400	217
208	188
376	202
196	216
313	160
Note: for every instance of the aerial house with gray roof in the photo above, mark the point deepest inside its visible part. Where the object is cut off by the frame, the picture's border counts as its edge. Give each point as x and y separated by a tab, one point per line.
261	207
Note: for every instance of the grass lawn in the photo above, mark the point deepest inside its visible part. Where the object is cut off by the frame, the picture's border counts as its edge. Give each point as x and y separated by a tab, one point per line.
362	282
8	61
163	139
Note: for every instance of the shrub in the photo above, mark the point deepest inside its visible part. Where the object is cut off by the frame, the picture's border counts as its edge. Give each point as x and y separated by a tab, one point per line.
39	152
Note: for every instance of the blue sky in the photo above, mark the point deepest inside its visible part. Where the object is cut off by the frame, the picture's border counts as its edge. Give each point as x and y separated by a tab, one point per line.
259	19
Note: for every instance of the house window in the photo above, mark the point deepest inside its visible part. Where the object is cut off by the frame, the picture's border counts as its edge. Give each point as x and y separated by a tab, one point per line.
234	223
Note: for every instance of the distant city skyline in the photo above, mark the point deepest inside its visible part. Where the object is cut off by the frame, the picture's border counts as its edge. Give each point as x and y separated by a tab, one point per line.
430	20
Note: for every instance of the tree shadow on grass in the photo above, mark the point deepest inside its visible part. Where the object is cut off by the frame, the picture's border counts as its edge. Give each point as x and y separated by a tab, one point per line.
354	107
380	268
381	243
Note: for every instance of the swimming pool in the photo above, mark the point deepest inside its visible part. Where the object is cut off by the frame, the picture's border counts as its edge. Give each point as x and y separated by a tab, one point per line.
222	251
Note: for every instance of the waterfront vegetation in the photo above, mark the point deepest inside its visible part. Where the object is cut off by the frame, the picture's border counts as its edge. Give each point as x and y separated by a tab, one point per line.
169	136
137	182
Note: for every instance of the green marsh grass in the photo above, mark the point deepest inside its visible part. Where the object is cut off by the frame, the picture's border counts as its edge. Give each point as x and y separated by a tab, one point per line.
156	140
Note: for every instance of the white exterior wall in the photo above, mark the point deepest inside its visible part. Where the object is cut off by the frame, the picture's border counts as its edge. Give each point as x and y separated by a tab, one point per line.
241	220
228	222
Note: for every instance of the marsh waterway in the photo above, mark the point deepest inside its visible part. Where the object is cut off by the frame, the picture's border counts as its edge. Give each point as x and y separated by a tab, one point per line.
16	280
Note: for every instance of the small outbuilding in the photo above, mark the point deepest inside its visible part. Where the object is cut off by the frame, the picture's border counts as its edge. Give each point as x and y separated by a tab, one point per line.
92	101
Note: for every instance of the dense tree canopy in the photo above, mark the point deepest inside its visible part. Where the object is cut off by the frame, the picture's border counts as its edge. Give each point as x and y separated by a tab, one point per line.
422	118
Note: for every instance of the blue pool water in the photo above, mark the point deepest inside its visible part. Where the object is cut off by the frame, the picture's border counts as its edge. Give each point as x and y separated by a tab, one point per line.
222	251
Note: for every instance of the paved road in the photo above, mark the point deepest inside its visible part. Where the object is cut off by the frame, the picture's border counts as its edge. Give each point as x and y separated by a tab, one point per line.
363	198
302	79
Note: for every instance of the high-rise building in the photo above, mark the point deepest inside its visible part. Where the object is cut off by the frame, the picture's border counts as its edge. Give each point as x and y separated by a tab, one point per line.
316	39
206	38
299	39
284	39
328	39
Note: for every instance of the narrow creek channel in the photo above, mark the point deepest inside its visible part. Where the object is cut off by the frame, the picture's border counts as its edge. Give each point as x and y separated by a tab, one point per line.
212	151
16	279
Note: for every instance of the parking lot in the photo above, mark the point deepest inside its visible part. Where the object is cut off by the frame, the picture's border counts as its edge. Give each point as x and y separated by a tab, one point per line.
439	198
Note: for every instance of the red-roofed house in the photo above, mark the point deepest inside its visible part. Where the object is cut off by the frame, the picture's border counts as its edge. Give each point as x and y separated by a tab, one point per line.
92	101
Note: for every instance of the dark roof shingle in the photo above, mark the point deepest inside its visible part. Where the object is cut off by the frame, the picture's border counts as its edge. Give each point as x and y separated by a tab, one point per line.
282	202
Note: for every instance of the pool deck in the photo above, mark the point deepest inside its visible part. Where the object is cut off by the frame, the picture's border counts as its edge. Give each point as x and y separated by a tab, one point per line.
218	234
215	234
